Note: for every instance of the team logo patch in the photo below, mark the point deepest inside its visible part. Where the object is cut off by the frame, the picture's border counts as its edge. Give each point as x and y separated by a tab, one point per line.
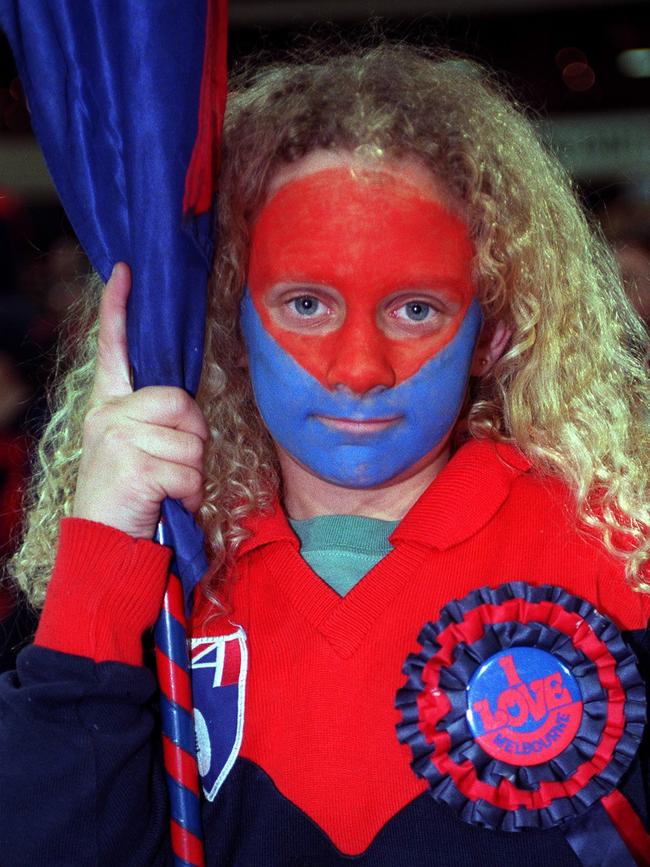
219	667
523	708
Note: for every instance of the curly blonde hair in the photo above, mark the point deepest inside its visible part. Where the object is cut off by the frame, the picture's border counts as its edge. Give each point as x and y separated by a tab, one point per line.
572	390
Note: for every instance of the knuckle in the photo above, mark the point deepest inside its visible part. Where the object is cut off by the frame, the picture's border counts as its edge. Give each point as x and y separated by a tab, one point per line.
204	427
195	450
179	402
196	411
101	424
116	435
193	482
146	469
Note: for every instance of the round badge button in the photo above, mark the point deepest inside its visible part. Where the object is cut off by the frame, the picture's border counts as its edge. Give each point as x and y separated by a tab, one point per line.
524	706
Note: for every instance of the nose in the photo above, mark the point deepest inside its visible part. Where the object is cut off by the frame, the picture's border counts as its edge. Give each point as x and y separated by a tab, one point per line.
361	361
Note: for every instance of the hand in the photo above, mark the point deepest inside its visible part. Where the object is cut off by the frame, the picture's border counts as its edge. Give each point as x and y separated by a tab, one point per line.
138	447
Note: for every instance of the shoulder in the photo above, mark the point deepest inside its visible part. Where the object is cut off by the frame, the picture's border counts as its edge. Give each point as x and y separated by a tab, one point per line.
541	513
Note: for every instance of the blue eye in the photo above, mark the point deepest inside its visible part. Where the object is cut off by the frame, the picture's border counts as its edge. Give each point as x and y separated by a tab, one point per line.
306	305
417	311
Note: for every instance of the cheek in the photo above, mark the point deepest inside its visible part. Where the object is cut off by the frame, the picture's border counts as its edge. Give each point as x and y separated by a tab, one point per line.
291	401
313	353
432	398
359	343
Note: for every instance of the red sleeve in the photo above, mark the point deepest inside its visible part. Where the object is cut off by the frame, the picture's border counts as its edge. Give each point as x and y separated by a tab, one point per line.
106	590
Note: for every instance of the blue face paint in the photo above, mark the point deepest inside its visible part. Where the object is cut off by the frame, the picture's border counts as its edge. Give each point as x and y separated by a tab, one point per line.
293	403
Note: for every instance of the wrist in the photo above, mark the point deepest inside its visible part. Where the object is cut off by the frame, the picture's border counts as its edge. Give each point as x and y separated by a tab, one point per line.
105	592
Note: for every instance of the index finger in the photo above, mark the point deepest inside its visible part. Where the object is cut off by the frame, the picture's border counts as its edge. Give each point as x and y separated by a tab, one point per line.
112	378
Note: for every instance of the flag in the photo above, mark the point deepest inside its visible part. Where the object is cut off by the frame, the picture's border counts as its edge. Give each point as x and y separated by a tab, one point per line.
125	96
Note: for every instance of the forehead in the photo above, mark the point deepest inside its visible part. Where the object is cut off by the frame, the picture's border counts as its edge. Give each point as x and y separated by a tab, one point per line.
409	170
337	219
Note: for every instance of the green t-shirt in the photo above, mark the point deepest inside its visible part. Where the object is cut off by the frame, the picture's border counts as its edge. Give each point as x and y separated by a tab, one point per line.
342	548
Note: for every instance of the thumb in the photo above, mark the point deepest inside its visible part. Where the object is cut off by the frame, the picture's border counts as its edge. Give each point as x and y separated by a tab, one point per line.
112	378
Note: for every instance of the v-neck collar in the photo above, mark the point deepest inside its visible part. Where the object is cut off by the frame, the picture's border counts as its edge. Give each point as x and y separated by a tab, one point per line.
461	500
464	496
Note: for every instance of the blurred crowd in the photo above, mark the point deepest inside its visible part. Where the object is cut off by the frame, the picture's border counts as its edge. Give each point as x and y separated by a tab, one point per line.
626	223
41	272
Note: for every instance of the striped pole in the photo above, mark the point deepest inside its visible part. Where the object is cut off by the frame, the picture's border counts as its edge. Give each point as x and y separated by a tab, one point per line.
172	657
179	742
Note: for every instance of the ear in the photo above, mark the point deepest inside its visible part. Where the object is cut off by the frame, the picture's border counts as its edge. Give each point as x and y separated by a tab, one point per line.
490	347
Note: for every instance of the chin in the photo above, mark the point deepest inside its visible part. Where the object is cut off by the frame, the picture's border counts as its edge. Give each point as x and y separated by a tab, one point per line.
368	475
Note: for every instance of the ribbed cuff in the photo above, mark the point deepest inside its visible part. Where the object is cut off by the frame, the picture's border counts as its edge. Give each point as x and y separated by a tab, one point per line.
106	590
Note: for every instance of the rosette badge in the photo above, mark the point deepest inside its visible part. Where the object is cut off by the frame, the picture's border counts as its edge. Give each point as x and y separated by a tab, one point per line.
523	708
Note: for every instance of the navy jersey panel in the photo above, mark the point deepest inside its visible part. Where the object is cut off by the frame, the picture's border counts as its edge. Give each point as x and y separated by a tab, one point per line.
80	741
253	825
635	785
81	781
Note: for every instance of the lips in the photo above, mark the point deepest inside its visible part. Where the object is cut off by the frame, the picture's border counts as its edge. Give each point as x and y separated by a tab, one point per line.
358	426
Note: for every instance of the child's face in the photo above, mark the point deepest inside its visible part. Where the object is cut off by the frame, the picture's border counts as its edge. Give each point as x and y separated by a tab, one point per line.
360	319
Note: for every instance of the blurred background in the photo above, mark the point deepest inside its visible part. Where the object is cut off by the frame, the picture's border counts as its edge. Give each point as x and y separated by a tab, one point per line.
582	68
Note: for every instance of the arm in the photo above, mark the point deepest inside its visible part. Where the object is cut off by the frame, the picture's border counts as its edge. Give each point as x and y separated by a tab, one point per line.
81	779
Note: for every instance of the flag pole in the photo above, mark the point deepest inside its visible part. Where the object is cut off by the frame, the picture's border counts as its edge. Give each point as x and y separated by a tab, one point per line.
171	630
176	712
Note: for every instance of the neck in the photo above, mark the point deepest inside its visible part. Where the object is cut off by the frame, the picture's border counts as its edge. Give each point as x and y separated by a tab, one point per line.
308	496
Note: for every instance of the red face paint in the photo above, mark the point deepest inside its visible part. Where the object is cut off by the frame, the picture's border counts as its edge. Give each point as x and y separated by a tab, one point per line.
360	276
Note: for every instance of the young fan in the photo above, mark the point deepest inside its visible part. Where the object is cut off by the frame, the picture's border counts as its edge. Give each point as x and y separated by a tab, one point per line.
419	454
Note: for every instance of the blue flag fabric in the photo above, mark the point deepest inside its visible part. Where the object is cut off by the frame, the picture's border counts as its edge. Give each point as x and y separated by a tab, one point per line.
113	89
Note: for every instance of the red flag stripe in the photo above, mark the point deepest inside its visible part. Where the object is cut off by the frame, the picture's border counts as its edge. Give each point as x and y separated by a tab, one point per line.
173	681
181	766
231	662
173	600
186	846
200	176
